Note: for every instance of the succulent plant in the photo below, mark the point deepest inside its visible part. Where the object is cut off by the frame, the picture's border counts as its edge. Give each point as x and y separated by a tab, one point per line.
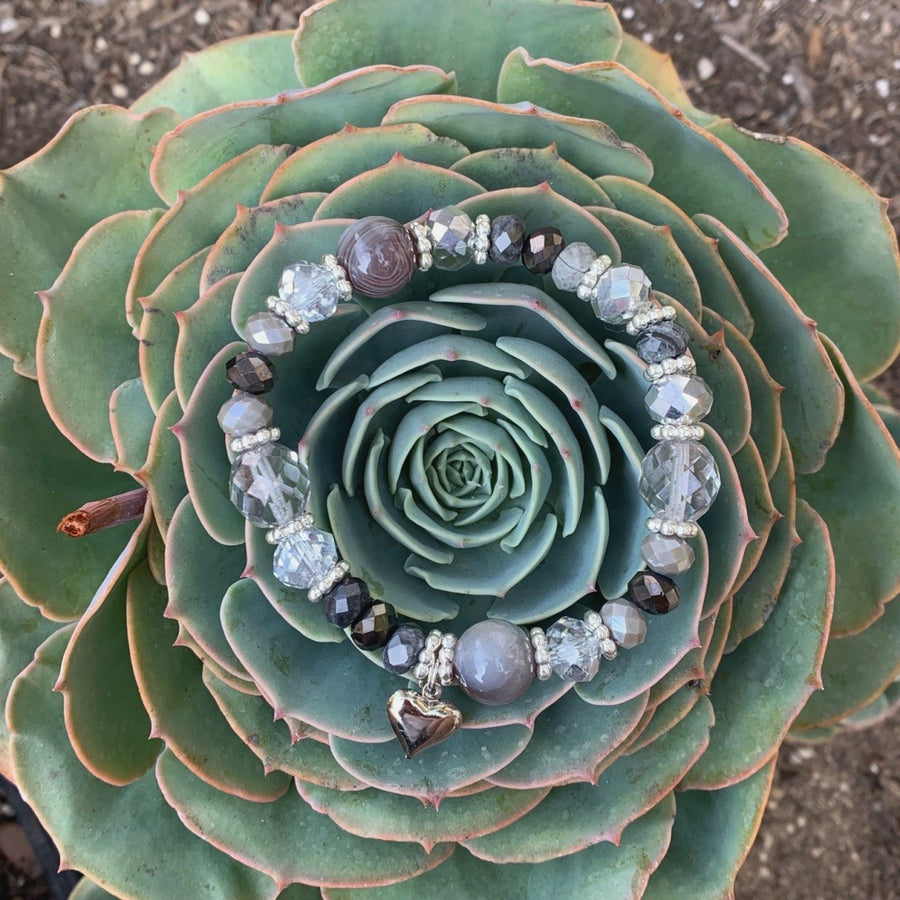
186	726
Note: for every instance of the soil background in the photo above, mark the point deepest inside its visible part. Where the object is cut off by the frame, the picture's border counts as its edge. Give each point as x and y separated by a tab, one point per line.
827	71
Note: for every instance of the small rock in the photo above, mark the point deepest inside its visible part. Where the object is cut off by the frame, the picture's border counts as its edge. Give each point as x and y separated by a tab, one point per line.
202	17
119	91
706	68
882	88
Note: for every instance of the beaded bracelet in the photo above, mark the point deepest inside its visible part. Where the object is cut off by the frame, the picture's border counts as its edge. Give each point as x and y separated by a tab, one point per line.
493	661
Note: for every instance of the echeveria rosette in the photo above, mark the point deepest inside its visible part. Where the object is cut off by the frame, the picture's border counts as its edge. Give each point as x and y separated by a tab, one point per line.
157	765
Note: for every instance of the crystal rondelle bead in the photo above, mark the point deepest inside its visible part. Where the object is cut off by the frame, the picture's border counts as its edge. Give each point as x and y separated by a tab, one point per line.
449	230
679	480
507	240
346	602
303	558
373	628
679	398
309	289
269	334
244	414
574	649
621	292
541	249
667	554
653	593
662	340
625	622
251	372
571	265
402	650
268	485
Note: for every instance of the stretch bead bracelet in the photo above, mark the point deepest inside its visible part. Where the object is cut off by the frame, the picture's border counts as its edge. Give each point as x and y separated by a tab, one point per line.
493	661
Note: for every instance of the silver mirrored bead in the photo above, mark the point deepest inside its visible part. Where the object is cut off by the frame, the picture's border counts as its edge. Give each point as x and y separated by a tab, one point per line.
450	231
679	398
621	292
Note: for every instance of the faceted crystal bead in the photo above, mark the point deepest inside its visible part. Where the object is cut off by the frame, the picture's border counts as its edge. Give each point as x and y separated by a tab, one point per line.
244	414
309	289
373	628
667	554
679	398
574	649
269	334
620	293
541	249
402	650
625	623
268	485
679	480
378	256
663	340
303	558
449	230
251	372
346	602
571	266
654	594
507	240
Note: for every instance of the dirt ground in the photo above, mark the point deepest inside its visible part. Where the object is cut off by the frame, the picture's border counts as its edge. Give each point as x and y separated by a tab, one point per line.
827	71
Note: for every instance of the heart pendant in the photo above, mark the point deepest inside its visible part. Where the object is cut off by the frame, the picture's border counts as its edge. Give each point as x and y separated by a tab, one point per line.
420	723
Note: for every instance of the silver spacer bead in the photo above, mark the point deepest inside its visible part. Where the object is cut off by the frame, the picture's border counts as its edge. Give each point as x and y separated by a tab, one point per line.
336	574
254	439
677	432
592	276
678	529
650	316
345	289
541	655
280	308
608	648
480	239
596	625
422	244
295	526
662	370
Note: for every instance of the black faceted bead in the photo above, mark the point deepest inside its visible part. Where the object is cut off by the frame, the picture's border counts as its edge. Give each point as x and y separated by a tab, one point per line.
373	628
402	650
541	249
653	593
251	372
507	240
664	340
346	602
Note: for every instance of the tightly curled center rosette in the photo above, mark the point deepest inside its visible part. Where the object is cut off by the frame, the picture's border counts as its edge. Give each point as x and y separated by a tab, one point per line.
461	456
474	443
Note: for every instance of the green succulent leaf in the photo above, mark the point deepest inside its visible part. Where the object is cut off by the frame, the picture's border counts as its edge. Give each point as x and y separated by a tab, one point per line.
338	37
131	421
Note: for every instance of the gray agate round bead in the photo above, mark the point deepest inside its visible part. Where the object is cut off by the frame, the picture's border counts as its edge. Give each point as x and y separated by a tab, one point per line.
493	662
378	256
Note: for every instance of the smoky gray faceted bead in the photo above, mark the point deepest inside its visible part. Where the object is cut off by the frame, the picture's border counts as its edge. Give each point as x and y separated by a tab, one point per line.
662	340
571	265
667	554
507	240
449	230
625	622
493	662
402	650
269	334
244	414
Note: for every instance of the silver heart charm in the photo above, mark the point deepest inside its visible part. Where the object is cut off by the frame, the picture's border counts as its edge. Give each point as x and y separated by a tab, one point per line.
420	723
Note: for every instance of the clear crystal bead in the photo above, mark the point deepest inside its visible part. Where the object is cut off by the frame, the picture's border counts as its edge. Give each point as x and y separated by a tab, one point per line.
571	265
621	292
574	649
304	558
679	398
667	554
449	230
679	480
244	414
310	289
268	485
625	622
269	334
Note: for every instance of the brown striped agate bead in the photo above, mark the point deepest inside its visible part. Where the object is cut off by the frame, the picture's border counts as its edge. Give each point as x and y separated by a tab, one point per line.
378	256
